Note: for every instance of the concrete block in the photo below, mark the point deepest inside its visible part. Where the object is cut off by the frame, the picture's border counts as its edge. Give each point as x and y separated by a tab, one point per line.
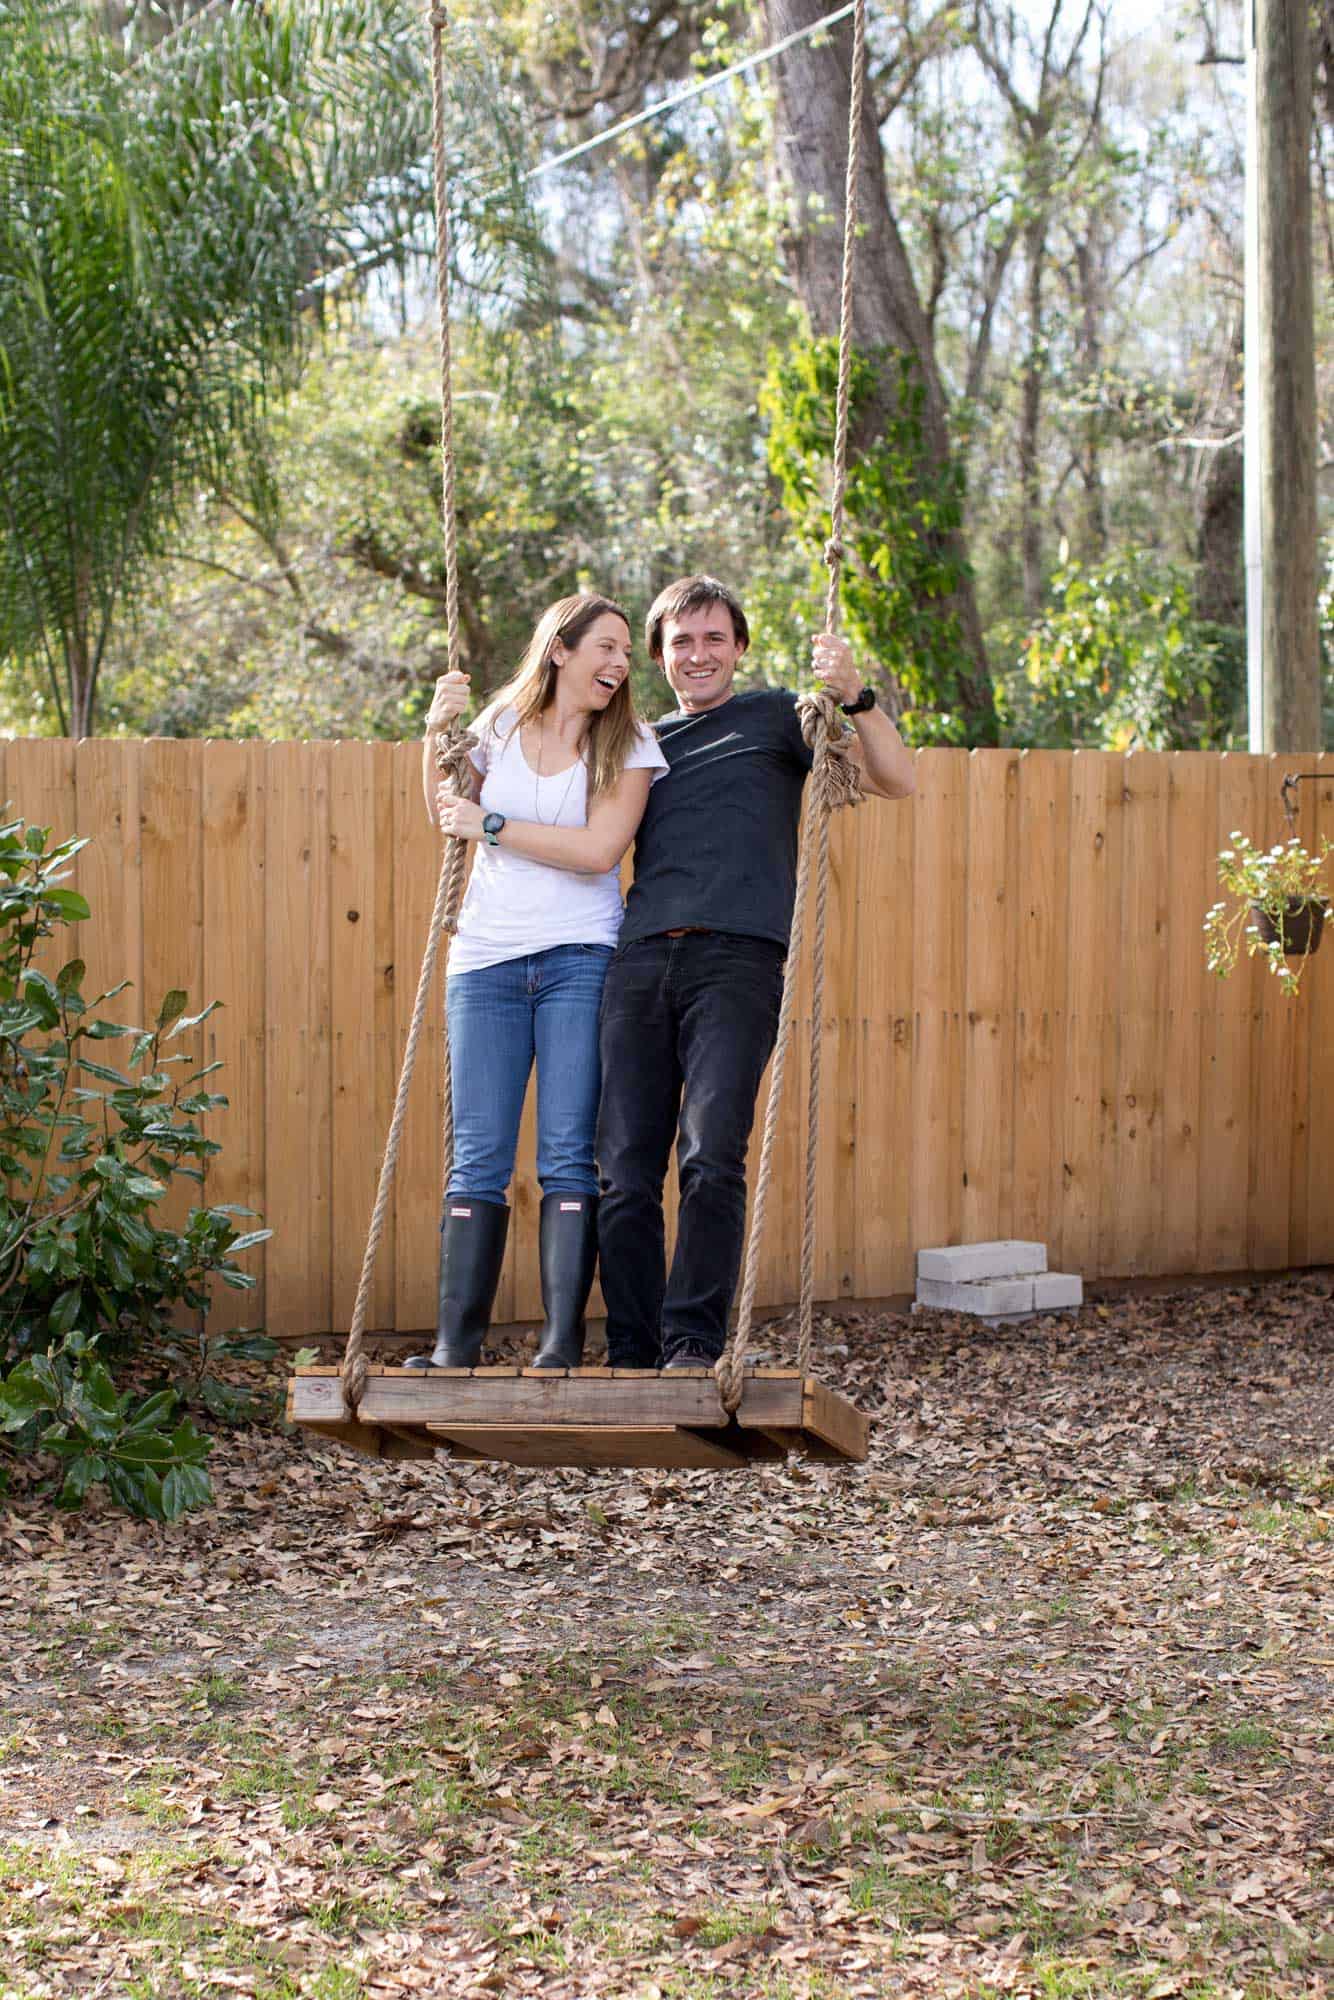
978	1295
1053	1290
965	1263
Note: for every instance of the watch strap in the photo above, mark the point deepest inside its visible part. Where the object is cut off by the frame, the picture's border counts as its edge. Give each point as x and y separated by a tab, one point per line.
865	700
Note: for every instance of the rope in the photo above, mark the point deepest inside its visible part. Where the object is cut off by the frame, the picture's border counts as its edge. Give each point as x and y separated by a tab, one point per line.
835	781
451	761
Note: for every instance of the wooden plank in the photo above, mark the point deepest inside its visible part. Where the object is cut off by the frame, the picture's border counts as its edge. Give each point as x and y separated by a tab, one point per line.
834	1420
291	1287
387	1052
372	1441
1091	1019
106	776
41	788
989	994
319	1044
1314	1244
938	960
171	848
232	823
522	1401
1273	1069
417	1184
1192	793
883	1009
663	1445
1135	1220
355	1112
1225	1106
836	1215
1042	841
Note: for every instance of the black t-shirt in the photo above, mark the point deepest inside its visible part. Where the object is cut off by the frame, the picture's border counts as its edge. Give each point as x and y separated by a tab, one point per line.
717	846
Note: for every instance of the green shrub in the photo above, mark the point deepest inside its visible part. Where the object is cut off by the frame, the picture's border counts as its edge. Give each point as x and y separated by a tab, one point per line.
89	1278
1119	661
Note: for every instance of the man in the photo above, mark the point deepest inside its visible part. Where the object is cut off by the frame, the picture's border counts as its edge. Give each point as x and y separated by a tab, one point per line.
690	1007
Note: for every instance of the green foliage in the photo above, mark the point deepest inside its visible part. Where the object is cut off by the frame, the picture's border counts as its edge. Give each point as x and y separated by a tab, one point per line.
1119	661
899	568
168	231
1279	881
88	1276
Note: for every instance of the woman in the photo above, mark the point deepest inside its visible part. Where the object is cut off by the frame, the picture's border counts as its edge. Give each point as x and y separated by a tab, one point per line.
563	770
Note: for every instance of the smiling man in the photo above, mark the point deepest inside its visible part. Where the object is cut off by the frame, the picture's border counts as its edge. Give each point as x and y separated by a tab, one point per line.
690	1006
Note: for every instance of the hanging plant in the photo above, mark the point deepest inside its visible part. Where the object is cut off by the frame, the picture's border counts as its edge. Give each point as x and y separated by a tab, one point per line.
1276	903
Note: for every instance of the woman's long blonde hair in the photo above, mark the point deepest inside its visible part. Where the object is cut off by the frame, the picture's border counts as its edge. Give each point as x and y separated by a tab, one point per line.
609	734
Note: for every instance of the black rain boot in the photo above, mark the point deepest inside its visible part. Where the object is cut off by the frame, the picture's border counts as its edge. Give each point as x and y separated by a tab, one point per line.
567	1253
472	1249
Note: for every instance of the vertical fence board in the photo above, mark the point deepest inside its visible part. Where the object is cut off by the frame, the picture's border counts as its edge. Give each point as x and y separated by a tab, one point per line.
417	1183
883	975
171	845
836	1133
1192	779
42	790
106	774
940	865
1136	1220
357	1113
1043	843
1092	975
989	994
291	1290
1225	1117
1273	1072
232	836
1317	1238
1299	1095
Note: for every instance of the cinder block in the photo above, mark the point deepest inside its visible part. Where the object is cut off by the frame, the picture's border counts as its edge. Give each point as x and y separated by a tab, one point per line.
981	1295
965	1263
1055	1289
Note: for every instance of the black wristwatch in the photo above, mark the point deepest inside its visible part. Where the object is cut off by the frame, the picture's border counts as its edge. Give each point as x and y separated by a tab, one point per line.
491	826
865	700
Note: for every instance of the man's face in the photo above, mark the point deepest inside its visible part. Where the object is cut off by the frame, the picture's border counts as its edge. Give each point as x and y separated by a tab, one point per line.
700	651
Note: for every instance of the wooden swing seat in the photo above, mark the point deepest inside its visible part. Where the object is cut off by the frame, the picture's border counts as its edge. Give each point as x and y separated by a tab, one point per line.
587	1417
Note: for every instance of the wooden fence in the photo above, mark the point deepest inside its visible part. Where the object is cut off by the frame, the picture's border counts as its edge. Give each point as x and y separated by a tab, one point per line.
1020	1039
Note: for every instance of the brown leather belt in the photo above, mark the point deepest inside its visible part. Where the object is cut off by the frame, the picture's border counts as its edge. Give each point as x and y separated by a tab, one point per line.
689	930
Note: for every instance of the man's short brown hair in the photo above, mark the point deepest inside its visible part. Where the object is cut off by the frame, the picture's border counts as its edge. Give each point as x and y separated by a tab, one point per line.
692	593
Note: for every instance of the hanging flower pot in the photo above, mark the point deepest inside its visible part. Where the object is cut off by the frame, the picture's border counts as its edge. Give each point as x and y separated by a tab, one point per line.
1278	899
1296	929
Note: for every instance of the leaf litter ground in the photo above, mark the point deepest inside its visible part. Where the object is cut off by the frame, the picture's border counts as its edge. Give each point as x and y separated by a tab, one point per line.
1038	1702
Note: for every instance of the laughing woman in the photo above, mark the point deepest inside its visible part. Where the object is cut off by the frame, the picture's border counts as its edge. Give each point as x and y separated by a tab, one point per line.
563	770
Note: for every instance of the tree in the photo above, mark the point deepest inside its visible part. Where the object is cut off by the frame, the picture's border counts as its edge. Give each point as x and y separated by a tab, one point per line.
169	230
812	102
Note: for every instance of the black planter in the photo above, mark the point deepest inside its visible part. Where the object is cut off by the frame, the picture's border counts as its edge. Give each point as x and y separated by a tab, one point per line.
1297	930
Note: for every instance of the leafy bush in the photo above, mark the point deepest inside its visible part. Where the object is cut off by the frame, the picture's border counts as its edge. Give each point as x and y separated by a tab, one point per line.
900	567
88	1276
1119	661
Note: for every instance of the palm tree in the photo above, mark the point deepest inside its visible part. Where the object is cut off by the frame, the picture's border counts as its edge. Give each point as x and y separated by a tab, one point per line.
171	228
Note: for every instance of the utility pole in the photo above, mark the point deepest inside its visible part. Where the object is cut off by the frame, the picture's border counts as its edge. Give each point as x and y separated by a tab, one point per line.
1283	654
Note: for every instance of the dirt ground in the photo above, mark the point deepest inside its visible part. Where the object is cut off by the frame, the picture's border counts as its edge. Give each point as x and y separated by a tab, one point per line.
1040	1701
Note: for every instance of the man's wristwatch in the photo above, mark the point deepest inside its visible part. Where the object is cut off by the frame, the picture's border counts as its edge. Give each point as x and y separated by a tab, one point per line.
865	700
491	825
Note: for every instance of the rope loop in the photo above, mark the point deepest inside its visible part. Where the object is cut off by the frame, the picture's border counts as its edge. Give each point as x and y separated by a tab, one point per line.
834	552
835	776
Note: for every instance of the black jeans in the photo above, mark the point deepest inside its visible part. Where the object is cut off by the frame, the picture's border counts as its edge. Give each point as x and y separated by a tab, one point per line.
688	1024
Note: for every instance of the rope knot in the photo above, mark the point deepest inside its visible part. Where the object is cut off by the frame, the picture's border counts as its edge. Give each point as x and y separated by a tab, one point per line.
438	18
833	552
837	779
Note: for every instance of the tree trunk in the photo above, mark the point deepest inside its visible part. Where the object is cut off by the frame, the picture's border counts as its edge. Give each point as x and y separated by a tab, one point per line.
1030	418
1290	650
813	96
1093	510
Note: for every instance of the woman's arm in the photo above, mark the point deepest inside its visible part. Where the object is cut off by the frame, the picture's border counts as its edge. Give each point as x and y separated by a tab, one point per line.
613	819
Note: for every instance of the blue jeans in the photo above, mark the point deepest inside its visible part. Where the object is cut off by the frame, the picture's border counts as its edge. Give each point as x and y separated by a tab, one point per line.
500	1017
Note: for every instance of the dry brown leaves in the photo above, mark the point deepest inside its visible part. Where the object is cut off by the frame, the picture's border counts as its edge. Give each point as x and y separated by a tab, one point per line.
1038	1702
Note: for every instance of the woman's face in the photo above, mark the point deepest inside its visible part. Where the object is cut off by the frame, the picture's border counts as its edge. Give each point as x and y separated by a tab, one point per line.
591	671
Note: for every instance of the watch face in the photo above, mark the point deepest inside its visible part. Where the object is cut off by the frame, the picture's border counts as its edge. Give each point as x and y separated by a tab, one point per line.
492	822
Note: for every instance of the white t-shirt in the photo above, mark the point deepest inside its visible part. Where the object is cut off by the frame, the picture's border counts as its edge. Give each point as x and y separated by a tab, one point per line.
515	906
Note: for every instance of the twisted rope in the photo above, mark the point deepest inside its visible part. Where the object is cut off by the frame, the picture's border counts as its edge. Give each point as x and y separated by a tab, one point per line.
451	761
835	781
